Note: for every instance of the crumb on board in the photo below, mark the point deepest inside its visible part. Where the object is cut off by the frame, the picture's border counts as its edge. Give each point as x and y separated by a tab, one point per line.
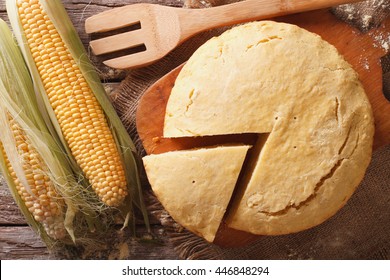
364	15
382	40
364	62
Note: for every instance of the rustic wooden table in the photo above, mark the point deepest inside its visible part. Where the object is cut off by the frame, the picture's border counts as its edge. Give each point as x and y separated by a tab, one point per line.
17	240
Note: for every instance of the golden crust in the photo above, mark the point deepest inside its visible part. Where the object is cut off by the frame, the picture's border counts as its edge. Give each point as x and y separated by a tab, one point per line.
276	78
195	186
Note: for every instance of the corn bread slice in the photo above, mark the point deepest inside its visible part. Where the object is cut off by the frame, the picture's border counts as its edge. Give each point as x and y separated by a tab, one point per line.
195	186
277	78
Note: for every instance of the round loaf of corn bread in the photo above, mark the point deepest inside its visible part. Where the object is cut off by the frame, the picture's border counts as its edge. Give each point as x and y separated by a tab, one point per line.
305	102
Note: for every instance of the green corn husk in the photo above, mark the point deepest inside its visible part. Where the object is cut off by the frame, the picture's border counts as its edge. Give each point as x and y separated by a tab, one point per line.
58	15
18	101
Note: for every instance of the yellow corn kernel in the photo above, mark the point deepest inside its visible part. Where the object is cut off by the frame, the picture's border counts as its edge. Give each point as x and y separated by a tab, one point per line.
42	200
74	105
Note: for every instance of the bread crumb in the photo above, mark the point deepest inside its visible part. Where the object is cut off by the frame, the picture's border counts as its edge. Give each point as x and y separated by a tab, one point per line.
364	15
366	20
364	62
382	40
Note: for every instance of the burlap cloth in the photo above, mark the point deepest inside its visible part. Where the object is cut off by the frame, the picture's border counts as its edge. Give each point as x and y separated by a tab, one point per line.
360	230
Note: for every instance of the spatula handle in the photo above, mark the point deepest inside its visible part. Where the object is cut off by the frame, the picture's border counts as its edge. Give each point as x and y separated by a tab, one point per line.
196	20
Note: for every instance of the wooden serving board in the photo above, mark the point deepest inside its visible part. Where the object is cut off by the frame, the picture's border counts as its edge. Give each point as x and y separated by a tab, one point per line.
360	50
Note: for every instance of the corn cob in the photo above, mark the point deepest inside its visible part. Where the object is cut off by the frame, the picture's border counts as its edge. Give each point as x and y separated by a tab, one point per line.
32	160
42	200
77	105
78	112
27	175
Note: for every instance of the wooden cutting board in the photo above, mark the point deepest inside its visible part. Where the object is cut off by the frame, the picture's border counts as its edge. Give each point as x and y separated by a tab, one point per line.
362	51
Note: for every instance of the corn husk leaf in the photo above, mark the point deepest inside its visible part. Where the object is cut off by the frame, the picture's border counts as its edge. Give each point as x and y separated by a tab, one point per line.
10	92
58	15
25	212
18	100
62	22
41	98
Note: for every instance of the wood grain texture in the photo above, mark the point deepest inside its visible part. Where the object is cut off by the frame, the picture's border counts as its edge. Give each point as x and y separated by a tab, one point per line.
20	242
9	211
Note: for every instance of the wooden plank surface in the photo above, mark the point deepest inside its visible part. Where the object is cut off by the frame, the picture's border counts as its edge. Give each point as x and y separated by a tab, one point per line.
20	242
17	240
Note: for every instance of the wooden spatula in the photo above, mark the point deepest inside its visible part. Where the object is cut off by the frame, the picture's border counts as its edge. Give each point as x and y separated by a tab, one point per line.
163	28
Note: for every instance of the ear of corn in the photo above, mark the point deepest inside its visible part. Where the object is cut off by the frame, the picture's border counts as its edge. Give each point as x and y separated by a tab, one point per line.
38	195
77	103
34	165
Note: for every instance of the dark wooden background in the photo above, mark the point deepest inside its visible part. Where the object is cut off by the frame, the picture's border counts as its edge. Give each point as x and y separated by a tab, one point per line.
17	240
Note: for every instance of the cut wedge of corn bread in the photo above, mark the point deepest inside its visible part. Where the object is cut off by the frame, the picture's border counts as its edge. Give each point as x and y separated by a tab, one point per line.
281	80
195	186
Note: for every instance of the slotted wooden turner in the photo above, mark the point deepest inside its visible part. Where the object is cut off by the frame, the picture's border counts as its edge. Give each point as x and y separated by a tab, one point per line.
163	28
